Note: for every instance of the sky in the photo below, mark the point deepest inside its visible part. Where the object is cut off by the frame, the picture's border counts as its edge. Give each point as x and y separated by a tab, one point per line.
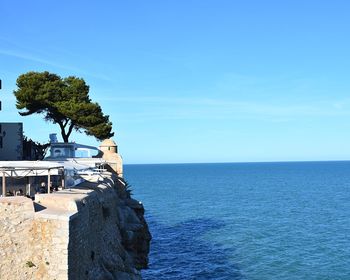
192	80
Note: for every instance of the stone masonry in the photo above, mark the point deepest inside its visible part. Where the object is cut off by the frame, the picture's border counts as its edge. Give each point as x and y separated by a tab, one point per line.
95	231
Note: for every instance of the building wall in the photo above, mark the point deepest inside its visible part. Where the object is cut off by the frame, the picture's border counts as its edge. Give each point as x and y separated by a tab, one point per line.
11	141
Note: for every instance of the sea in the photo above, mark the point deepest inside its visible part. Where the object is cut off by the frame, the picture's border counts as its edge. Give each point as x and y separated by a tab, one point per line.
283	220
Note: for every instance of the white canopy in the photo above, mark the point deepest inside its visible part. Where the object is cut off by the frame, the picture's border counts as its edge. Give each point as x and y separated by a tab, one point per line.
29	168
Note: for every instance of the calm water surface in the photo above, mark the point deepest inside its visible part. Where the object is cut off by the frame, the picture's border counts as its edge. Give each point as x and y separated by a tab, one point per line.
246	220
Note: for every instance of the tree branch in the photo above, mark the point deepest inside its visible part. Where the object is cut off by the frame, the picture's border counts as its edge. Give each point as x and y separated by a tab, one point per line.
65	123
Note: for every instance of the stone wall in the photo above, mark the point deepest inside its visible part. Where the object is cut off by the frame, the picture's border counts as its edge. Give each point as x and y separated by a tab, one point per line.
15	226
95	231
30	243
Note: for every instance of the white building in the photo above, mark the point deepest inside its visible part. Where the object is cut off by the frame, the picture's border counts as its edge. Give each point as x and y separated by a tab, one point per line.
11	141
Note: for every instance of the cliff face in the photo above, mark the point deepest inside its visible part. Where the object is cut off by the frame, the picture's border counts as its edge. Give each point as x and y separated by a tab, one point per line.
95	231
115	241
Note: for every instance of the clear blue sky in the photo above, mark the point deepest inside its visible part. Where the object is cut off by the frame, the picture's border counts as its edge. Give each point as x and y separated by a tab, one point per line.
193	80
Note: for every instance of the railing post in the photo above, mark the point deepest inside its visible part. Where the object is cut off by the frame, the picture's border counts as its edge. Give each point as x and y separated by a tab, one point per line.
62	178
3	184
48	180
28	186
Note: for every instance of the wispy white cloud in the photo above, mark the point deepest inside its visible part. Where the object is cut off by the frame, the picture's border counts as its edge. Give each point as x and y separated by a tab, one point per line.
237	96
38	56
210	108
27	56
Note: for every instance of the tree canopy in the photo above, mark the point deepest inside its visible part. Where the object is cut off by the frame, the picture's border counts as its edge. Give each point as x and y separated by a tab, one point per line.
63	101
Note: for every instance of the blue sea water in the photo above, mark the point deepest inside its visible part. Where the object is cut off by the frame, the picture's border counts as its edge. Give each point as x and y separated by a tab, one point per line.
246	220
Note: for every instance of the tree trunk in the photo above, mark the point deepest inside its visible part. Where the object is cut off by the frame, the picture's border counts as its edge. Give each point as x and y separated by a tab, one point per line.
63	133
64	136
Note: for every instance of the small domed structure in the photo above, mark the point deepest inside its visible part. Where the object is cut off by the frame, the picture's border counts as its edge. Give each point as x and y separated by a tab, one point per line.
110	154
109	145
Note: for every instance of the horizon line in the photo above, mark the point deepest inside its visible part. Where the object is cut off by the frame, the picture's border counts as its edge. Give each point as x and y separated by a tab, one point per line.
239	162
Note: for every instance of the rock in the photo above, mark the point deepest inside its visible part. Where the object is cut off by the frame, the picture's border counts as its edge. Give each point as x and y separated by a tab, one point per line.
133	203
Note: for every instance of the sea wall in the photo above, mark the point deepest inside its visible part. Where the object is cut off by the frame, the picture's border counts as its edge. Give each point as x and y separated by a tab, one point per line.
95	231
